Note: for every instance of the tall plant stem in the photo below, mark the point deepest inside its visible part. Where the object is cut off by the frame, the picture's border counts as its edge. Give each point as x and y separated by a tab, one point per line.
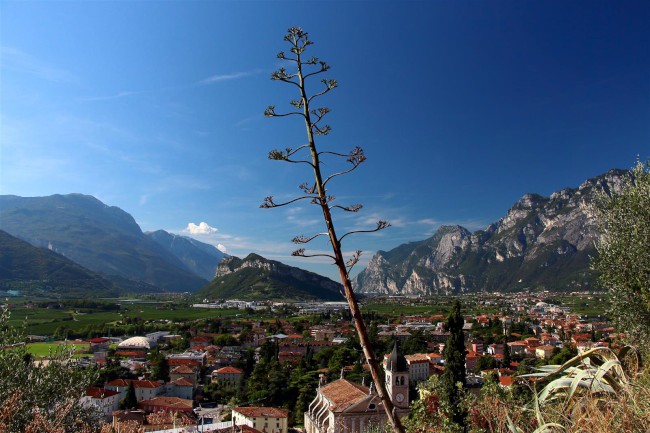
340	263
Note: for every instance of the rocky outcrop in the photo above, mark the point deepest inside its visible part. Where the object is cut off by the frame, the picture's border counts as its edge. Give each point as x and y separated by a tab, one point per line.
257	278
541	243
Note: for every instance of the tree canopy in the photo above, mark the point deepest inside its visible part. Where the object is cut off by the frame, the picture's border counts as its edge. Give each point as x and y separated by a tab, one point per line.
623	259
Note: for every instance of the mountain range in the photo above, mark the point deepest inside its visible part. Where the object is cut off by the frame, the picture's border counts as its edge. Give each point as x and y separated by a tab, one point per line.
543	243
108	241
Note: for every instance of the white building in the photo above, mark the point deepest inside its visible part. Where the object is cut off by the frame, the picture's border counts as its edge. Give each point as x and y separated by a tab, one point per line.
264	419
105	400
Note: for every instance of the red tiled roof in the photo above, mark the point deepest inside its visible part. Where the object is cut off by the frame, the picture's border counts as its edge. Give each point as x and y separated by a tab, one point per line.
146	384
418	357
295	336
128	353
118	382
232	370
100	392
168	402
343	394
182	369
182	382
252	411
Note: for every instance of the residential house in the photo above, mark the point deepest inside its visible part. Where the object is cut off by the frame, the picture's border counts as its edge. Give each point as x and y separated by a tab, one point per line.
181	388
264	419
471	360
186	372
418	366
517	348
228	377
106	400
200	341
544	352
144	389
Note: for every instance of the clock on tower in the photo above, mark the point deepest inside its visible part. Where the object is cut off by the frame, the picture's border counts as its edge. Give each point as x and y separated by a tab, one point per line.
397	378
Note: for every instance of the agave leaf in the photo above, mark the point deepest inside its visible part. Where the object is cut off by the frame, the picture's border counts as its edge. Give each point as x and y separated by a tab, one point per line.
623	353
554	387
512	427
549	427
580	379
612	372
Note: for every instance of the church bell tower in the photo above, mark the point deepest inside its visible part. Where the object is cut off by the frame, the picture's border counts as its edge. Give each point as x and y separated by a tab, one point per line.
397	379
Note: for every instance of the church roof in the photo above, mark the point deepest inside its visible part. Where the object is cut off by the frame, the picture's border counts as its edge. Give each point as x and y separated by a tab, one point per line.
396	361
343	394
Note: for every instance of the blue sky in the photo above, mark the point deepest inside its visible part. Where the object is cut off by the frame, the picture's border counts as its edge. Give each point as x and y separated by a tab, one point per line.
461	107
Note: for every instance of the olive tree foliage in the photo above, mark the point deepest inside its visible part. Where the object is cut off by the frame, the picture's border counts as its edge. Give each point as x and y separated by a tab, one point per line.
623	254
41	396
304	69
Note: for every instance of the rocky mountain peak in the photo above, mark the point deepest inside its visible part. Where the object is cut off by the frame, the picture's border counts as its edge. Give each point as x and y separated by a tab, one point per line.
544	242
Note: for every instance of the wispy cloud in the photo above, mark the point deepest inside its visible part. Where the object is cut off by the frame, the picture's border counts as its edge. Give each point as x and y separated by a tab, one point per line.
118	95
226	77
19	61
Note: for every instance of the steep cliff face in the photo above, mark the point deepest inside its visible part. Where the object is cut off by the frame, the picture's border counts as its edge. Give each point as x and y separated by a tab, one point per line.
542	242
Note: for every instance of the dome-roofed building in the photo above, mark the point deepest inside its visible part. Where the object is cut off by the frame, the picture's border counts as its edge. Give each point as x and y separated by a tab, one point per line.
135	347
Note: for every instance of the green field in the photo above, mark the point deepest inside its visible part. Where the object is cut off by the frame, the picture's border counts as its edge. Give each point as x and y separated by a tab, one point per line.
44	321
429	307
40	350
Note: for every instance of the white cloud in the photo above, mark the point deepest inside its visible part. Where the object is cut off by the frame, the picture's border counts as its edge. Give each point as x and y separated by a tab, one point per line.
222	248
224	77
202	229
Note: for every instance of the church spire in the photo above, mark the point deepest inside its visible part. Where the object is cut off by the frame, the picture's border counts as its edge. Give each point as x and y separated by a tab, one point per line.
396	360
